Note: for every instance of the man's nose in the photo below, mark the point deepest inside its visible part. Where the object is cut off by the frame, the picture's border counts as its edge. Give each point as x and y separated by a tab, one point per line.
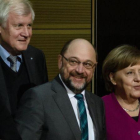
26	31
80	68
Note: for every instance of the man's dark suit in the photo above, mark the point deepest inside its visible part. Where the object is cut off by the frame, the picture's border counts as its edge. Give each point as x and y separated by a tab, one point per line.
46	113
36	67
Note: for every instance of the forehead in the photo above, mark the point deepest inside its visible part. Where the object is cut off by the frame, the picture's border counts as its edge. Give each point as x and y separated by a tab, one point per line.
134	68
81	49
14	18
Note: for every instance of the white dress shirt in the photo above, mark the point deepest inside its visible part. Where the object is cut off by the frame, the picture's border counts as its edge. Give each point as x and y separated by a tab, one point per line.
91	133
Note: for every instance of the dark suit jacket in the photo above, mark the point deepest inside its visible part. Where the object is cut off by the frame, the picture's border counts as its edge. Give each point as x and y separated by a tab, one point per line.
36	66
46	113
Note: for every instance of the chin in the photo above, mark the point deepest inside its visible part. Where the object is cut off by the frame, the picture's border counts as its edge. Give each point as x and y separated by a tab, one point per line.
23	48
136	95
78	86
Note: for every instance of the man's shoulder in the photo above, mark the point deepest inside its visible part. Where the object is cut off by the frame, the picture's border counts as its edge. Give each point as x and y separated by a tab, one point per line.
109	98
34	52
93	95
46	86
94	98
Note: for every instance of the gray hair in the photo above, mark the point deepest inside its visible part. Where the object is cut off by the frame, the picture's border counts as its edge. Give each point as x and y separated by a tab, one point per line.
20	7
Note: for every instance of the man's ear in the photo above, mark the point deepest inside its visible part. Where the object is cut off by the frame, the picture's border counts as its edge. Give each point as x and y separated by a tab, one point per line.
0	29
59	61
111	77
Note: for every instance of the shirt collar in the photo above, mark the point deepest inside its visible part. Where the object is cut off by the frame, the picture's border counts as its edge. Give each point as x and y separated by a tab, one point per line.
5	54
71	94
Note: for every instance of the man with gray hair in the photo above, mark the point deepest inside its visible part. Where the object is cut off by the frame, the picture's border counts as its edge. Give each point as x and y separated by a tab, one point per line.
21	66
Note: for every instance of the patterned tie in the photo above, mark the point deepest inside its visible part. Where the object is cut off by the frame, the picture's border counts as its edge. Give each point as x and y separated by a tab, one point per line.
13	62
83	116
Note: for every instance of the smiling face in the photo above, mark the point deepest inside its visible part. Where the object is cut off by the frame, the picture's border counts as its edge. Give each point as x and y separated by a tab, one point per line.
17	33
127	82
77	77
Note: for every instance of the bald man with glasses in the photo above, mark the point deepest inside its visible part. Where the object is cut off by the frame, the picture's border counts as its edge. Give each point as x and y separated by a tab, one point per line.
63	109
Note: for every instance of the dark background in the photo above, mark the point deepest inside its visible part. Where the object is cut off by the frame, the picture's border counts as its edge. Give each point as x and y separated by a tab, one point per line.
118	22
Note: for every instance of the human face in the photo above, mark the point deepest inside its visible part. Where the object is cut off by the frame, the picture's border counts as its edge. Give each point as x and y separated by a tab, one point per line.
77	77
127	82
17	33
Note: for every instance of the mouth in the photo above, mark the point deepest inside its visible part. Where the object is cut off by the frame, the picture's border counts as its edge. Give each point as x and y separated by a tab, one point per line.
78	78
137	87
22	40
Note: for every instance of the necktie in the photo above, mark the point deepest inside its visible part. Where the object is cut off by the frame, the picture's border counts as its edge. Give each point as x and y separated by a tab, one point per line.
83	116
13	62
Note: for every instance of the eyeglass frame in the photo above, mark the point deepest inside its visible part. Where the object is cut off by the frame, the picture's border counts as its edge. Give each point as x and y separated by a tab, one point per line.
78	62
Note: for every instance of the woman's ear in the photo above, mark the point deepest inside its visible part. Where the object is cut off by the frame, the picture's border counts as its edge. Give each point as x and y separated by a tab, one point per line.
111	77
59	61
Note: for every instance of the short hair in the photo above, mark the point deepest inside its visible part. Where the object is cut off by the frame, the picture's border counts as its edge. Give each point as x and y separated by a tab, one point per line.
20	7
118	59
65	47
67	44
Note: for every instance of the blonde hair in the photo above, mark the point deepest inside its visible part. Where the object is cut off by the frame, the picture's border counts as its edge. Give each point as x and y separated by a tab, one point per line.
118	59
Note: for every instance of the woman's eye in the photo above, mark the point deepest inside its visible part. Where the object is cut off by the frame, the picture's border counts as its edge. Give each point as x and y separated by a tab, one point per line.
129	73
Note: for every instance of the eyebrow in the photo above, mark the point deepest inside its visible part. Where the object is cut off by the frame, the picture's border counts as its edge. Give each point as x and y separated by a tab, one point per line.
95	63
79	60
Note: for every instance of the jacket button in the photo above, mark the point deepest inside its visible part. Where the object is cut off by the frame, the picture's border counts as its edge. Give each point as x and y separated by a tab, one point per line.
138	132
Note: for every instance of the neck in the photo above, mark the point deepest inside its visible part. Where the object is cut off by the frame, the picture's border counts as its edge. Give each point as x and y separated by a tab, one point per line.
130	106
9	49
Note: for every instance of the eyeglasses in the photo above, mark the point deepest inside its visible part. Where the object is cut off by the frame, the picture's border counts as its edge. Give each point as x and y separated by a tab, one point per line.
75	62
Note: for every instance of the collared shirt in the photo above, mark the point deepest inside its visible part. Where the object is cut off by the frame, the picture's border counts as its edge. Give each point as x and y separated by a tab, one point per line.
73	100
4	55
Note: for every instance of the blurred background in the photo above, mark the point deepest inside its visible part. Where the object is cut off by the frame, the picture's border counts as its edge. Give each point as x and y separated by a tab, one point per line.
105	23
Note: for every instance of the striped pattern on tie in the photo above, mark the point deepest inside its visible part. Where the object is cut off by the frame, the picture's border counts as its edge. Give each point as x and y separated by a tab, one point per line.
83	116
13	62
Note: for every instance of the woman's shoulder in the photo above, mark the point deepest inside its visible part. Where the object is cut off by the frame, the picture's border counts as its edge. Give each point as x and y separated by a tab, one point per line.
108	97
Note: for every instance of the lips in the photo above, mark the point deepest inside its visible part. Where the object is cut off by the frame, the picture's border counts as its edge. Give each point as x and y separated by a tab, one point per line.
137	87
78	78
76	75
22	40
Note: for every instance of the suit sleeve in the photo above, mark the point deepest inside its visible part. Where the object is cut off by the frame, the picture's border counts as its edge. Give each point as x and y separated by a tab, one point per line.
29	117
8	130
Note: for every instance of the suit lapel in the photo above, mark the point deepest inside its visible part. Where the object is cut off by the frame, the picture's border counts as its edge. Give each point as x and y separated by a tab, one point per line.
62	100
3	90
93	112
